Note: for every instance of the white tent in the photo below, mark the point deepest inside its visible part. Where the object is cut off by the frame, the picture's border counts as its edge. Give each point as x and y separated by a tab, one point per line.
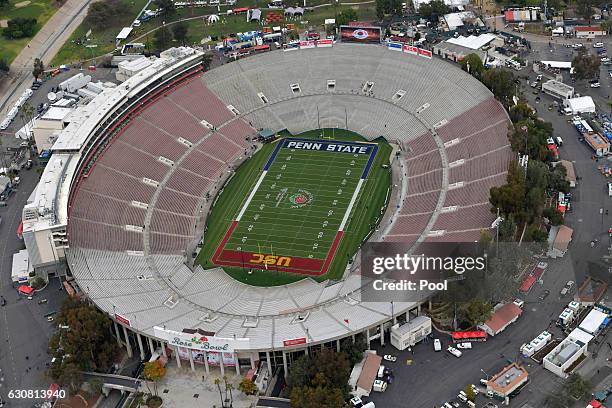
584	104
213	18
593	321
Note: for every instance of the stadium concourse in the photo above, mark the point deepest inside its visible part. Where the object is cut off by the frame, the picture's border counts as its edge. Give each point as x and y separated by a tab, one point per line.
152	162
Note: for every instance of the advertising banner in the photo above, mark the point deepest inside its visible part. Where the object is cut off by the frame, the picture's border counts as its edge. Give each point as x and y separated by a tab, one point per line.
394	46
425	53
307	44
294	342
199	342
364	35
325	43
410	49
122	319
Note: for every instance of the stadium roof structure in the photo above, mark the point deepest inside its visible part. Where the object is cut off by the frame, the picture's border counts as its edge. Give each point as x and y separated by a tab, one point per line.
133	195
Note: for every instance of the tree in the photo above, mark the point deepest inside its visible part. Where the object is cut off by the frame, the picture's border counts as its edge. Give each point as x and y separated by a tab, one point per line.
4	66
392	7
578	387
206	60
247	386
37	283
476	311
161	38
469	393
167	6
501	82
554	215
20	28
154	371
4	3
586	66
39	68
346	16
320	394
585	8
103	13
83	342
472	64
434	9
521	112
179	31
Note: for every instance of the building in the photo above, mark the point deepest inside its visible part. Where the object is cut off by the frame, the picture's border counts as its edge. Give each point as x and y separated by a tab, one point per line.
583	104
557	89
570	173
562	357
410	333
450	3
585	32
366	372
508	382
593	322
591	291
126	69
558	241
48	126
600	146
502	317
456	53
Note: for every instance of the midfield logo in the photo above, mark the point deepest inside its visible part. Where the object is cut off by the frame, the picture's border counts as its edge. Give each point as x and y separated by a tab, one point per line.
300	198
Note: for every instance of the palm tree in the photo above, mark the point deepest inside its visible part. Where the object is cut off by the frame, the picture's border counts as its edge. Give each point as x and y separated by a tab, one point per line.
218	384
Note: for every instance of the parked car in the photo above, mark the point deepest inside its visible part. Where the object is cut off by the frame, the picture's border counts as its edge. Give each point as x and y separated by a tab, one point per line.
567	288
519	302
389	357
605	59
595	84
598	45
544	294
454	351
464	346
437	345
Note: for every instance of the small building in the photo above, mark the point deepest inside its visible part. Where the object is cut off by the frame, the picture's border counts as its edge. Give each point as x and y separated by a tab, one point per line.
593	322
454	52
583	104
129	68
560	360
557	89
123	35
410	333
502	317
367	375
508	382
559	239
48	126
591	291
570	173
585	32
600	146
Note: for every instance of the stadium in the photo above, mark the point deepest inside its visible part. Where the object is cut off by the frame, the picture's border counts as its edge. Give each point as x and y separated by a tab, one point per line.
176	220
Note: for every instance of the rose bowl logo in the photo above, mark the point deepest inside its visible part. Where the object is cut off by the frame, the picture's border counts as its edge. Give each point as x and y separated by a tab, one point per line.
360	34
300	198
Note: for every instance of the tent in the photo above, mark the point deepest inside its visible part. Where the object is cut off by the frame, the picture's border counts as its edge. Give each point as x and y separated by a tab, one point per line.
213	18
254	15
583	104
26	290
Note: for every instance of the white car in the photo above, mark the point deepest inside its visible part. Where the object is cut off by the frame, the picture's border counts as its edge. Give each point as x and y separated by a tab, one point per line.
464	346
437	345
605	59
598	45
595	84
454	351
389	357
520	302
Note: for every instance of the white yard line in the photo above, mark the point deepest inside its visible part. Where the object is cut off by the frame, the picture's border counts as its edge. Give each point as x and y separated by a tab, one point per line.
246	204
350	207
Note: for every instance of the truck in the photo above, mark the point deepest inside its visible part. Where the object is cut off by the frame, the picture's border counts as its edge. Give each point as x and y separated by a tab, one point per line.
565	318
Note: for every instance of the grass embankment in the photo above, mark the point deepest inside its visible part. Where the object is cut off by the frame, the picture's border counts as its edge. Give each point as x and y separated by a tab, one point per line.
42	10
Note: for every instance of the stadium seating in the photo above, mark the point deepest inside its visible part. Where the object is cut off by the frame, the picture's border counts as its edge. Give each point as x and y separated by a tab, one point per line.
156	175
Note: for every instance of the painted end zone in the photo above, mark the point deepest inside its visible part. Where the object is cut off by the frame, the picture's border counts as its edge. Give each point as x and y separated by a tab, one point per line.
274	262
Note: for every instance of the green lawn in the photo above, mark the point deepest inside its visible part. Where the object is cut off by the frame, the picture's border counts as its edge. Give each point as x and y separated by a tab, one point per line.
273	224
75	50
72	52
42	10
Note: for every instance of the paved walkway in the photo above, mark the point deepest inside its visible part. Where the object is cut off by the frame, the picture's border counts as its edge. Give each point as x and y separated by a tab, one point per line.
44	45
183	385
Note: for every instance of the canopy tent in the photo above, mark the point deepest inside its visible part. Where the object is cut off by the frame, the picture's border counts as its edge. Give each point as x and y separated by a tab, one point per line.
26	290
292	11
254	15
213	18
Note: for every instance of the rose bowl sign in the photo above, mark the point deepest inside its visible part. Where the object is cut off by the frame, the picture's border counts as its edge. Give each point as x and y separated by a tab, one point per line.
200	342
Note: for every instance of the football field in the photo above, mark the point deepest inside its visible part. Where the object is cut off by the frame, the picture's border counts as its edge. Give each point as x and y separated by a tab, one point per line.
294	216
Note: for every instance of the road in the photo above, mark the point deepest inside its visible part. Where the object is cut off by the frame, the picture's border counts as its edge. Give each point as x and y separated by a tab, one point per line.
44	45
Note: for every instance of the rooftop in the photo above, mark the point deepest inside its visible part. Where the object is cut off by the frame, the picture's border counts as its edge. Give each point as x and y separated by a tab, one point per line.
369	371
502	316
507	379
473	42
56	113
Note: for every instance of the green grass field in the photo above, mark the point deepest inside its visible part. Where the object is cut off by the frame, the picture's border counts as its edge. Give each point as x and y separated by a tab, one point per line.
297	209
42	10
